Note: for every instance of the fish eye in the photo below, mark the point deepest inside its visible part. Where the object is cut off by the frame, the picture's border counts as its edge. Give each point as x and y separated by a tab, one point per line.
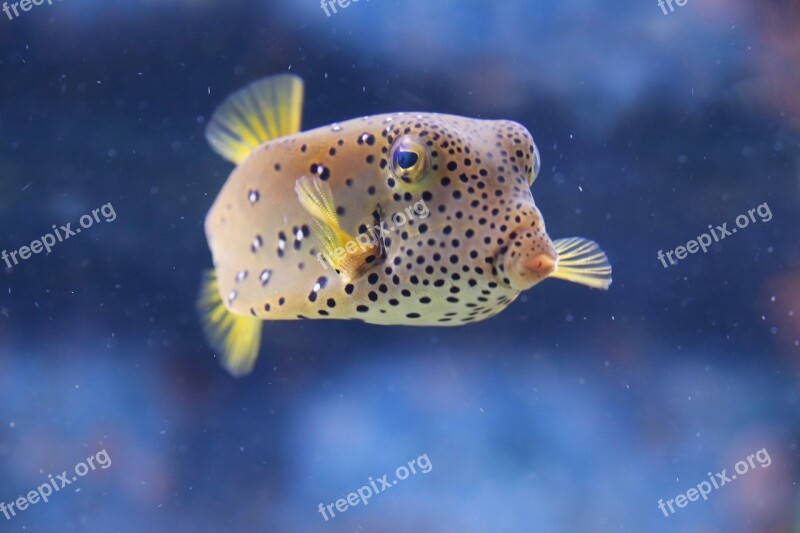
410	160
406	160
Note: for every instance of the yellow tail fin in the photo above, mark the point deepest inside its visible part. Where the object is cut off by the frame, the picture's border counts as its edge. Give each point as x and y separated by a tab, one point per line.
264	110
582	261
236	337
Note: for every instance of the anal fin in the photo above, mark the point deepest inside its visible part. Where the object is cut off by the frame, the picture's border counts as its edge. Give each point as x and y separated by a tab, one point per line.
236	337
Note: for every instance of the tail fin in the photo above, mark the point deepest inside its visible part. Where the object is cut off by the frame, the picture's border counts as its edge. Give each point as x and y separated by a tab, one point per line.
236	337
264	110
582	261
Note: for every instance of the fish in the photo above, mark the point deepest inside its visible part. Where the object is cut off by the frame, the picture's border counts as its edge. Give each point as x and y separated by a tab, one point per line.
405	218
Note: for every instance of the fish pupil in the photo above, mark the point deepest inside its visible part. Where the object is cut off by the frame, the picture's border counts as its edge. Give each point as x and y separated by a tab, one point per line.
406	160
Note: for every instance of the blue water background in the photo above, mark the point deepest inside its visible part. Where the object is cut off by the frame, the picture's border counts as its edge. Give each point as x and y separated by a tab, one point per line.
574	410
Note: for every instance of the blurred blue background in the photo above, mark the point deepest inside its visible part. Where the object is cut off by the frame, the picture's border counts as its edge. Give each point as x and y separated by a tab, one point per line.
573	410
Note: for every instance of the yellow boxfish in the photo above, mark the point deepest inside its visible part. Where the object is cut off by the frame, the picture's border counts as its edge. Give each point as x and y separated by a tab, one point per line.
403	218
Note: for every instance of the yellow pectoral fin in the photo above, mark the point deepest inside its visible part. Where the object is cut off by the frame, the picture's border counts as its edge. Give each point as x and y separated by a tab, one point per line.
316	197
264	110
355	263
582	261
236	337
348	255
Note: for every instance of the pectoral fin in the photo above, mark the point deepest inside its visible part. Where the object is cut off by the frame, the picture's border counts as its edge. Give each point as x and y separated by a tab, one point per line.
349	256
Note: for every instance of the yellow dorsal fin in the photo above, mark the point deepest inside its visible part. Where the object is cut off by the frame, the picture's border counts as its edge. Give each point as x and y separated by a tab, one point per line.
582	261
263	110
236	337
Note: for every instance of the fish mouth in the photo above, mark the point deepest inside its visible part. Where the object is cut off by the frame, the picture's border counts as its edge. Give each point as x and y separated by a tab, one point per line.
527	260
542	264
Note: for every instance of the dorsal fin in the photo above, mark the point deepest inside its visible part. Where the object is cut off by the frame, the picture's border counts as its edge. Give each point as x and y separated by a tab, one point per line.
266	109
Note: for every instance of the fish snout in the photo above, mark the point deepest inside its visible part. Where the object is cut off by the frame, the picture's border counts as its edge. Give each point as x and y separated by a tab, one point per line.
528	261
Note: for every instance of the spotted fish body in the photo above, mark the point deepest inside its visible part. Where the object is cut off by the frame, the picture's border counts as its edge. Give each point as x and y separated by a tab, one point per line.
462	236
